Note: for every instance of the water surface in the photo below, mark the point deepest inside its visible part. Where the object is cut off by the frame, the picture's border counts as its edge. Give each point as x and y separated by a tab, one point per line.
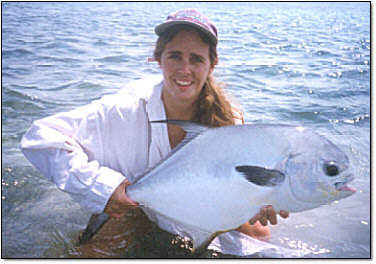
289	63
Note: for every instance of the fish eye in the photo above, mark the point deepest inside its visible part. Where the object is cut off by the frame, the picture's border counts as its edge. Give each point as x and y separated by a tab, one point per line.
331	169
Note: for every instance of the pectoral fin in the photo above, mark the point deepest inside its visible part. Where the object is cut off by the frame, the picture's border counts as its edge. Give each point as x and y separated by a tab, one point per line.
261	176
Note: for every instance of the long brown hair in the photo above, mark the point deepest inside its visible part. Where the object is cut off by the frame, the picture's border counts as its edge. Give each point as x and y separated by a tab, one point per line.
212	108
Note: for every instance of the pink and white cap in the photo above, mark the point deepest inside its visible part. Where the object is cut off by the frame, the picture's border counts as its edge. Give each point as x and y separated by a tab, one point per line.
189	17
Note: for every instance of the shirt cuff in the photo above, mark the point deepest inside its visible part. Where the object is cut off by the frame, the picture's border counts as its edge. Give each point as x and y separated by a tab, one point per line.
102	189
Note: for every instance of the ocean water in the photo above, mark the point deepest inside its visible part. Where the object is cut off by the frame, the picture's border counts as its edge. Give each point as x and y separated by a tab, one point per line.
290	63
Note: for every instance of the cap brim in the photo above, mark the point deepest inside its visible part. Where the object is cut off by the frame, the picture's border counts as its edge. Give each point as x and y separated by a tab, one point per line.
163	27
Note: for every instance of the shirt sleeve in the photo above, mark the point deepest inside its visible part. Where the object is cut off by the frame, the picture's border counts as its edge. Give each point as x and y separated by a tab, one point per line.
63	147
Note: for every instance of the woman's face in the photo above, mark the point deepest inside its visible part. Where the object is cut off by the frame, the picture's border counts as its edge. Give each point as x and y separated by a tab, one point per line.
185	64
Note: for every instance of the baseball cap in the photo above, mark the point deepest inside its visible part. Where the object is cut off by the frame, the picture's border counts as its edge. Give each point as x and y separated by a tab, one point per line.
189	17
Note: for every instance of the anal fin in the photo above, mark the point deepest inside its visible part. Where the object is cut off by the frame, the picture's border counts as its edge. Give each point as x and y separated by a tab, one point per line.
200	238
202	243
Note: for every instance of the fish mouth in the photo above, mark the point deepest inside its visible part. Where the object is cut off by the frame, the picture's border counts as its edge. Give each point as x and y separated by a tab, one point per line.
342	186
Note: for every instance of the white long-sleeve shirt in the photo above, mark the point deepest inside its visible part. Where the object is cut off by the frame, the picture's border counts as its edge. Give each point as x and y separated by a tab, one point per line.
87	152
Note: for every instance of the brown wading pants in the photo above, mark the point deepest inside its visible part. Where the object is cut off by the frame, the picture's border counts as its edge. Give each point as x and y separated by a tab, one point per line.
135	236
132	236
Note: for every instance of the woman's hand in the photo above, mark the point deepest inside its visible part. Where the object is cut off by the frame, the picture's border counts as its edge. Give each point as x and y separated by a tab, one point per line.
119	202
257	226
267	214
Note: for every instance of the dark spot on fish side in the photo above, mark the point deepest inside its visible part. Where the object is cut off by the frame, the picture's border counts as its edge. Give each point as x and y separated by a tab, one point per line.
261	176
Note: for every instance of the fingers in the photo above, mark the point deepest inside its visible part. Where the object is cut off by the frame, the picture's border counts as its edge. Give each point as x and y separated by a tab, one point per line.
119	202
271	215
267	214
263	221
254	219
284	214
130	203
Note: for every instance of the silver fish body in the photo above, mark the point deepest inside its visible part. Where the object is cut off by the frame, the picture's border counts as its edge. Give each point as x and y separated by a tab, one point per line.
219	178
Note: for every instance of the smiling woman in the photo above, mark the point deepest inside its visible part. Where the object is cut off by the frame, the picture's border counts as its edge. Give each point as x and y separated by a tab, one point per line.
93	159
211	106
185	64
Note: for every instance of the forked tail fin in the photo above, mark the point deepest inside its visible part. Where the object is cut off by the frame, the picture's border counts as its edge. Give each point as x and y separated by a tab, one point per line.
95	224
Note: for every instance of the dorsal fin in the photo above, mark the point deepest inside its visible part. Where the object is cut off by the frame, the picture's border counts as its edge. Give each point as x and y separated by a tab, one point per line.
189	127
192	131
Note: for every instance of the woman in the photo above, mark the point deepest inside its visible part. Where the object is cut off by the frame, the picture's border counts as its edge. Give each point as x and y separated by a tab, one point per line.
95	151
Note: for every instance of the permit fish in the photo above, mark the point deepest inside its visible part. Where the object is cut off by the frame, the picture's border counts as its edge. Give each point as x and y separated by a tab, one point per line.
217	179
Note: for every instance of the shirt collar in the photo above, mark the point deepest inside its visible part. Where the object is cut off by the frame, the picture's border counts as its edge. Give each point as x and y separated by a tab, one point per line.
154	106
159	141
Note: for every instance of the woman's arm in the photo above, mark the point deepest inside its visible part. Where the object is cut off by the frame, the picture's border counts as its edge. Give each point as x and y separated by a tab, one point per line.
58	147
